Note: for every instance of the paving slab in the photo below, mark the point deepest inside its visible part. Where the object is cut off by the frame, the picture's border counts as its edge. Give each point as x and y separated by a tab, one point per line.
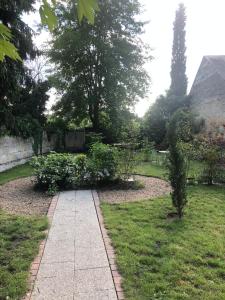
59	270
100	295
93	280
74	264
89	258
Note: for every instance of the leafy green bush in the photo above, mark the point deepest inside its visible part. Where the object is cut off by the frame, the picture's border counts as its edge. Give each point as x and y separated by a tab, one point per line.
212	170
103	162
62	171
54	171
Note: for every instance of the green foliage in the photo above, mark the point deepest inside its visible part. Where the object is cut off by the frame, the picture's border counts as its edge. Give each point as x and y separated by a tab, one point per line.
156	119
6	47
177	162
212	154
62	171
22	97
15	35
147	150
103	162
158	116
178	65
107	76
19	244
85	8
127	162
54	171
47	15
169	259
92	138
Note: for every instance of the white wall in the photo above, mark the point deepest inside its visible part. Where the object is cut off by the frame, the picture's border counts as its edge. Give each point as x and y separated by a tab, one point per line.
15	151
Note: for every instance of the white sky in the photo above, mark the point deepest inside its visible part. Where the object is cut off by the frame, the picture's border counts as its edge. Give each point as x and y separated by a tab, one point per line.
205	36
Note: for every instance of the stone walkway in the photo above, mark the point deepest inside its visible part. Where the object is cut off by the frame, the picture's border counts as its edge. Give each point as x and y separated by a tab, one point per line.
74	264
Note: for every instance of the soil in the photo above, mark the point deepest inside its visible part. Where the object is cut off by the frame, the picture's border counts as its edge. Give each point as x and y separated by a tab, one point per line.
19	197
153	187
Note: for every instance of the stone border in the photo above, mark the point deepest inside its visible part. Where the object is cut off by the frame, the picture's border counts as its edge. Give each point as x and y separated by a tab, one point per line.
37	261
117	279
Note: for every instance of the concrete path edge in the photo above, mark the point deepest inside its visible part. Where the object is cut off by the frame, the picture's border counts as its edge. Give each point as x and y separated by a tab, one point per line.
117	279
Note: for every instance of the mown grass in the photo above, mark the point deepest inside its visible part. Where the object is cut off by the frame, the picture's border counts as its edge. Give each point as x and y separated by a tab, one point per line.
19	244
160	170
24	170
171	259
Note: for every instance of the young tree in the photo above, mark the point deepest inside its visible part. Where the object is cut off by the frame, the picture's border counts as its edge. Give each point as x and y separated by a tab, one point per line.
99	68
178	65
179	130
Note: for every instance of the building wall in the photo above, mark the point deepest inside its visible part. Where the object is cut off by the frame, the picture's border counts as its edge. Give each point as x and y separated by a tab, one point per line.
208	100
15	151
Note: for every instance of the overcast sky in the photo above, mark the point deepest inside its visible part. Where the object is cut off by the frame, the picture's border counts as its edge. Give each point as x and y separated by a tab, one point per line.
205	36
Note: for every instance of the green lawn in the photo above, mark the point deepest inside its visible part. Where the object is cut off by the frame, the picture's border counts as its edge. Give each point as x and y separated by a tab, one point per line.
152	169
24	170
169	259
19	244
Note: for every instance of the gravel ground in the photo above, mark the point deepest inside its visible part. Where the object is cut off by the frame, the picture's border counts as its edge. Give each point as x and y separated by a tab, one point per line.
19	197
154	187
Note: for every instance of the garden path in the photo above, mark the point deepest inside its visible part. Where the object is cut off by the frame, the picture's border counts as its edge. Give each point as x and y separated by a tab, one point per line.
74	264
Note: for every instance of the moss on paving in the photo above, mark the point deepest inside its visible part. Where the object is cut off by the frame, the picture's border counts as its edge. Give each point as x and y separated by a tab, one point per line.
19	244
163	258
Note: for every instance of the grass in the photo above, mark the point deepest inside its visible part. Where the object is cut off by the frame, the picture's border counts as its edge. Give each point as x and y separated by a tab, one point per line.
170	259
150	169
19	244
158	169
24	170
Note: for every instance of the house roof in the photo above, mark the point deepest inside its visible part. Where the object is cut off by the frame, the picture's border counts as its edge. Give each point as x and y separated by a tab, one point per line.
210	65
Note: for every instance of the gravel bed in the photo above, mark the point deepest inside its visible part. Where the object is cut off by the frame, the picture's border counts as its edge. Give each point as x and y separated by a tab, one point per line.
154	187
19	197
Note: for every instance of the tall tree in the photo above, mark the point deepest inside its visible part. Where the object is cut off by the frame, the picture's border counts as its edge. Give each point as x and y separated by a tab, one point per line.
99	69
178	65
22	99
159	114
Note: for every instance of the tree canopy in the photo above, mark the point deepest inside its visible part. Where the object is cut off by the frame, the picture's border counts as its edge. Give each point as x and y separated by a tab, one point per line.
85	8
98	68
22	99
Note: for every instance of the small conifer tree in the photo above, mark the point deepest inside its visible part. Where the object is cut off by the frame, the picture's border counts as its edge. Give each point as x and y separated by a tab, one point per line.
177	162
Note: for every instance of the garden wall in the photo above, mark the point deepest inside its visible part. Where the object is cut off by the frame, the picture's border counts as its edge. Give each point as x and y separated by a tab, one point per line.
15	151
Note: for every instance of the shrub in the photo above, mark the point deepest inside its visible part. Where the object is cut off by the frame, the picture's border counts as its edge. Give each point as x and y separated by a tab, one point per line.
127	163
62	171
177	162
103	162
54	171
212	157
